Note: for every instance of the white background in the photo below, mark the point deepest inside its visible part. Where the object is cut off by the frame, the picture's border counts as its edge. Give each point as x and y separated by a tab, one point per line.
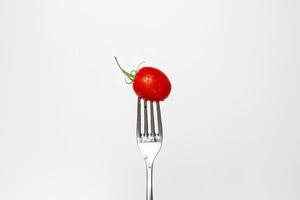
67	119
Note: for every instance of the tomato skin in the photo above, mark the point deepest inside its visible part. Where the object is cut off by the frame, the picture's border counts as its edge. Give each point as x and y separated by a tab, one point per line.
151	84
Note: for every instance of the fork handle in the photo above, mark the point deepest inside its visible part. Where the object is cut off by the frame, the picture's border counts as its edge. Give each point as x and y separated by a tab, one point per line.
149	183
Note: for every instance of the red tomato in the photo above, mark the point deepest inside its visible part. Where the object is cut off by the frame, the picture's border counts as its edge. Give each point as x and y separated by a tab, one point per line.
151	84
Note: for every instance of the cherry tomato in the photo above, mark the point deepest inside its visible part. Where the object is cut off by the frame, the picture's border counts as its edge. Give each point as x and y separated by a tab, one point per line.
149	83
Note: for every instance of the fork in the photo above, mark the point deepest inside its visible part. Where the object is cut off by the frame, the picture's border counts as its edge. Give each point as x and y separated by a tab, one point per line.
149	143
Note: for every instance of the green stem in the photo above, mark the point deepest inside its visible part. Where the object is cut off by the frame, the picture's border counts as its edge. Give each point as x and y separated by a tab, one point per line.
129	75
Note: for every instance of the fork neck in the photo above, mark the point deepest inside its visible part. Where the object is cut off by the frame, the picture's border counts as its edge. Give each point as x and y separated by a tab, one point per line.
149	162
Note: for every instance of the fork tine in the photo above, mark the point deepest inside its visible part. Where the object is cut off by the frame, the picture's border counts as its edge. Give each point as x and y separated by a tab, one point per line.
145	119
159	123
152	133
138	121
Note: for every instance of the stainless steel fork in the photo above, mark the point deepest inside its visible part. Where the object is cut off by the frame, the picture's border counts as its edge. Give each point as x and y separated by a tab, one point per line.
149	143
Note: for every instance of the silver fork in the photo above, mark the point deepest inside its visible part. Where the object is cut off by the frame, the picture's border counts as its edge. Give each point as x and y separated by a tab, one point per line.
149	143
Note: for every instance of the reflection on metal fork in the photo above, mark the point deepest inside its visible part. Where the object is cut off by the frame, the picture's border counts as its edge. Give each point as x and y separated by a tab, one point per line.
149	143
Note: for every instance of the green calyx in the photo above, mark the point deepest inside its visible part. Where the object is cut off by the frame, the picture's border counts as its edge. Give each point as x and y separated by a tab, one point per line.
128	75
